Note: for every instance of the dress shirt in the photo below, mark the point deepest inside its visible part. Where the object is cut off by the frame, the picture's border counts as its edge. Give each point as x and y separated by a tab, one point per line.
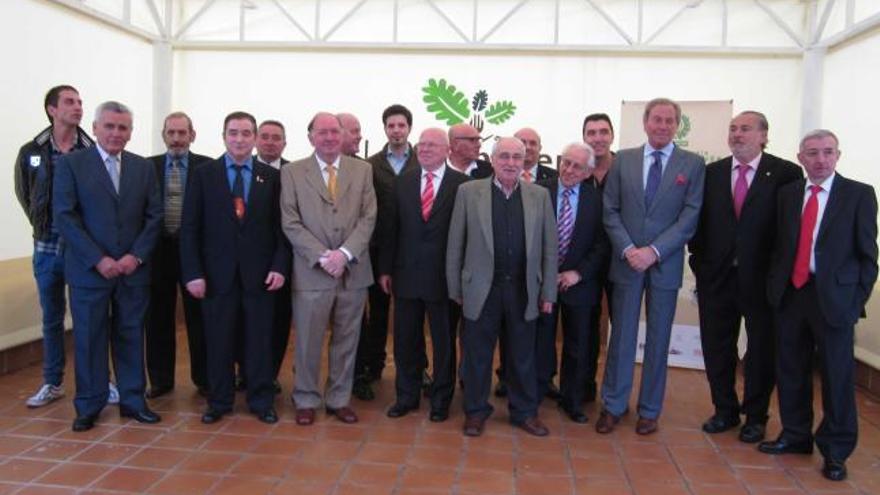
438	176
397	162
246	173
276	163
104	156
572	200
532	171
649	160
184	166
750	173
822	199
501	187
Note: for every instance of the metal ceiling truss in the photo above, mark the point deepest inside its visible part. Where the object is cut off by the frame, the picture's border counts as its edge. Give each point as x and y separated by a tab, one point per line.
809	33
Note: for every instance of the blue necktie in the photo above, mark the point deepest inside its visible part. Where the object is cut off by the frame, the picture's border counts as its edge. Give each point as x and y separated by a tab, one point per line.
654	174
113	171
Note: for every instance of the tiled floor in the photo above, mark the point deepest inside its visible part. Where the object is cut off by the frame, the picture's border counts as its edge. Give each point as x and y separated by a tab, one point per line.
39	453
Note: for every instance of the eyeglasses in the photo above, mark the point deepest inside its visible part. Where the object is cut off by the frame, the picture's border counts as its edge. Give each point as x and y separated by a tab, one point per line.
472	139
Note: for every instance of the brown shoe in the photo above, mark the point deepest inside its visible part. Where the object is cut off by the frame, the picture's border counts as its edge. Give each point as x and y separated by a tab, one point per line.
344	414
473	426
534	426
645	426
305	416
606	422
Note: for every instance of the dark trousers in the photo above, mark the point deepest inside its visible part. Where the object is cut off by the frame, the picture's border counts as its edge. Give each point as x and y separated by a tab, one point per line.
409	349
102	318
504	306
281	334
594	337
721	311
222	312
802	328
370	357
546	361
576	351
161	327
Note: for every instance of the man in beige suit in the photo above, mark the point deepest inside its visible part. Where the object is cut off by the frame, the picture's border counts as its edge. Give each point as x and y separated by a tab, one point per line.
328	210
501	265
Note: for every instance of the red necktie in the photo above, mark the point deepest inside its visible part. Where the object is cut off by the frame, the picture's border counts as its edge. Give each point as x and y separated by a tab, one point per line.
527	176
801	272
428	196
740	189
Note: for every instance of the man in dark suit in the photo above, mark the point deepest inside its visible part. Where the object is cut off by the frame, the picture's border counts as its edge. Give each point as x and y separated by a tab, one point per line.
413	257
501	266
730	256
823	269
234	258
108	211
651	207
545	358
173	170
396	157
583	248
271	141
464	151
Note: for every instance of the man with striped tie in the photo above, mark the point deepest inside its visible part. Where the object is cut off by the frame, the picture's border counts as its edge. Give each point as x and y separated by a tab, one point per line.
583	250
413	257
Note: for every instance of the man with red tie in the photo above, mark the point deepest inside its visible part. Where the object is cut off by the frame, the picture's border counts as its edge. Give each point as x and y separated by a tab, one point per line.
730	256
824	267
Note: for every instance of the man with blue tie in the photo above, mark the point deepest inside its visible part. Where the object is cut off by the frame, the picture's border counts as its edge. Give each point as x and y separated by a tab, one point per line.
233	257
108	210
651	206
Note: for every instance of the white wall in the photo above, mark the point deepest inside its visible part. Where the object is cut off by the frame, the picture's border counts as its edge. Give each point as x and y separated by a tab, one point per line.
42	46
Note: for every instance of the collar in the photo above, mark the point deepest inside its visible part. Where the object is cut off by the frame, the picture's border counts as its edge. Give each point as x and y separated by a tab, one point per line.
666	150
248	164
825	184
104	154
753	164
388	151
322	165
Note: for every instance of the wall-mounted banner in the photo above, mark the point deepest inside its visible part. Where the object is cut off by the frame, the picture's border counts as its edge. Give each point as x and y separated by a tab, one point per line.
703	130
450	105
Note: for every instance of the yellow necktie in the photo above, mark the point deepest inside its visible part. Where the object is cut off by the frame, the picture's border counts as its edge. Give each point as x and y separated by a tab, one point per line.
331	182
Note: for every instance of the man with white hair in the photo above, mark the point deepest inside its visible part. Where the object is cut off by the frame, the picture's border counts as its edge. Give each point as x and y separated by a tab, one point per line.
583	249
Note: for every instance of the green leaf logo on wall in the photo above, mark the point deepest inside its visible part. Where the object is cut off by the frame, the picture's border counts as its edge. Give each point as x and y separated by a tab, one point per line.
450	105
684	128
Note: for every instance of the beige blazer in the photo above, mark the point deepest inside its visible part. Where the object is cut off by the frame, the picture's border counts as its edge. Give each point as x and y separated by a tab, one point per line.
314	224
470	253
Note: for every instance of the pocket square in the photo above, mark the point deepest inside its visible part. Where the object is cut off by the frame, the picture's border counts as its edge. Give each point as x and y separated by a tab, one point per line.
680	179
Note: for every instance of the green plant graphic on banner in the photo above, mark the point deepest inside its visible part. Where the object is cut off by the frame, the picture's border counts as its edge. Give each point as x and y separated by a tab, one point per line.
684	128
450	105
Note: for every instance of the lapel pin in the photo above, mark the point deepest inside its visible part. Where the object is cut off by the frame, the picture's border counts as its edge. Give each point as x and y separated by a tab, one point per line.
260	178
768	174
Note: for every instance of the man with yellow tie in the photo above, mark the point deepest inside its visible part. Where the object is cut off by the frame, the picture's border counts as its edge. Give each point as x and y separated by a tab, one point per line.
328	211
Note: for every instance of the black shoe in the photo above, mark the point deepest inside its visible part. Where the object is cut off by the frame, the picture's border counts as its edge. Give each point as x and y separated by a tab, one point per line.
398	410
575	415
752	432
269	416
439	415
276	387
84	423
719	423
834	470
552	392
501	389
362	389
145	415
156	392
783	446
212	415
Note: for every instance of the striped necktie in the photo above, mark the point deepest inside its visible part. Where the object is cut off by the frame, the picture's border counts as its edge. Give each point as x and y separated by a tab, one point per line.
565	224
173	198
428	196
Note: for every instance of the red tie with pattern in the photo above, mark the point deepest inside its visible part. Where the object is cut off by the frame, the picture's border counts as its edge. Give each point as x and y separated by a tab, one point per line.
801	272
740	189
428	196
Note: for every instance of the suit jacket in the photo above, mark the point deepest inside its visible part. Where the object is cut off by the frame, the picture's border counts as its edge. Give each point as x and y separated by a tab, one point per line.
483	170
193	161
313	223
383	182
95	221
845	249
546	173
470	254
414	253
667	225
215	246
588	251
722	241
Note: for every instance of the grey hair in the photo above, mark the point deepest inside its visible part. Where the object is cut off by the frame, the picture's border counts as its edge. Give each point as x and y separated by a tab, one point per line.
111	106
520	145
818	134
591	162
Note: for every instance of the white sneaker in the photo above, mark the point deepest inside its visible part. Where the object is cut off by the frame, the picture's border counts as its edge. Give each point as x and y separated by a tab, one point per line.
47	393
113	396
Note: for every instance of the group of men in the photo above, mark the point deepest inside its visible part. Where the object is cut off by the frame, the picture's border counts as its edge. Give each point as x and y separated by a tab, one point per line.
495	252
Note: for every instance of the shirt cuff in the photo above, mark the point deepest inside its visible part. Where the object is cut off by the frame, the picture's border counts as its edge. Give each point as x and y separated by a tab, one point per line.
348	255
623	253
656	251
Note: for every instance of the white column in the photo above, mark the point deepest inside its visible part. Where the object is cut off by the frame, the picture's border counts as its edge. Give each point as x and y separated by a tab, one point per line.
811	98
163	73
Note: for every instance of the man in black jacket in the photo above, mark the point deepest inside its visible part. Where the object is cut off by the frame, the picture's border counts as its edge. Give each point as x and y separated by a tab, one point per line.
34	171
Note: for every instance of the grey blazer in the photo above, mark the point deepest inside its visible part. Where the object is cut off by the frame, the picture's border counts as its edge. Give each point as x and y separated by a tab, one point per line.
314	224
470	252
668	224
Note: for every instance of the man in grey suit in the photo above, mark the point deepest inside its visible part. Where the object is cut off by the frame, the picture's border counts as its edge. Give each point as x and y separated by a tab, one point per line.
652	203
328	211
501	267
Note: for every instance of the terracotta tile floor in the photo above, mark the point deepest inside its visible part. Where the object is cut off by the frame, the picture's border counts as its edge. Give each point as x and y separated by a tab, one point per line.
39	453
